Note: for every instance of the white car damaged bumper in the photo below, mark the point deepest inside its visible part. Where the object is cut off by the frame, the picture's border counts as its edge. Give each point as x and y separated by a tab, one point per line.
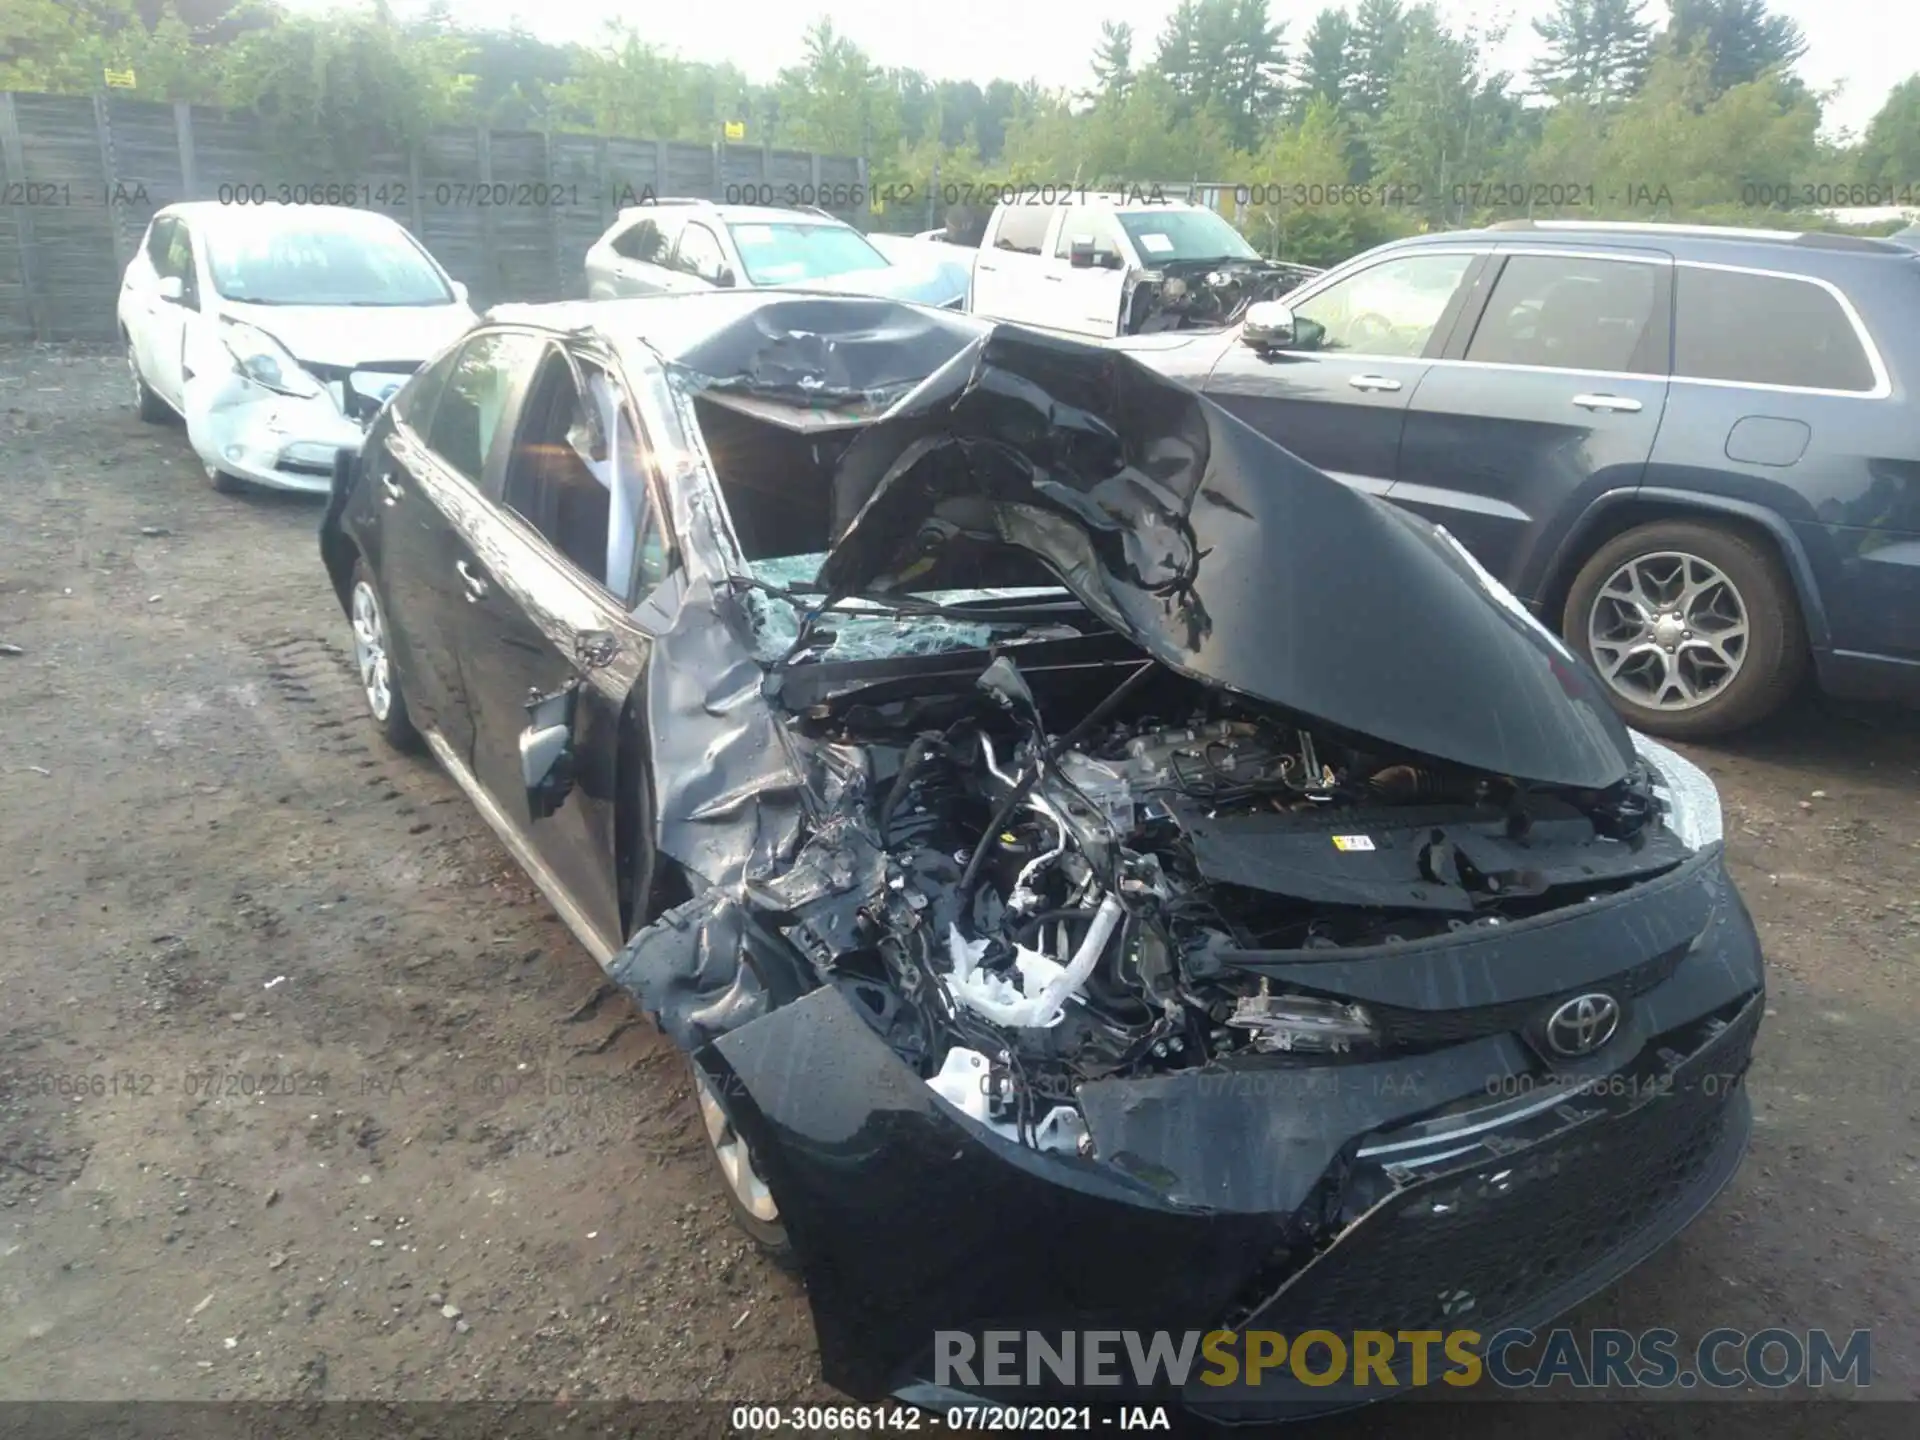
268	438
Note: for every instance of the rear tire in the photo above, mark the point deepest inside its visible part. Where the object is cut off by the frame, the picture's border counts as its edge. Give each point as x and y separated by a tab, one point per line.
1693	625
374	663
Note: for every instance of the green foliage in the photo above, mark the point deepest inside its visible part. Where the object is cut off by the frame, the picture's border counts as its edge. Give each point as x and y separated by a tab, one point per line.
626	86
837	100
1113	59
1378	39
1290	179
1152	134
1596	50
1890	154
1711	149
1738	40
66	46
514	75
1226	58
331	90
1392	121
1324	65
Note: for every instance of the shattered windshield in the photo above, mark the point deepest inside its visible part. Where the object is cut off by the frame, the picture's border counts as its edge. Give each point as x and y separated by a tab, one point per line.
869	629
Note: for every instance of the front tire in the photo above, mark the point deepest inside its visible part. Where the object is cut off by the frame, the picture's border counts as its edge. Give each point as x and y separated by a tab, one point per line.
1693	626
146	401
373	661
754	1210
222	481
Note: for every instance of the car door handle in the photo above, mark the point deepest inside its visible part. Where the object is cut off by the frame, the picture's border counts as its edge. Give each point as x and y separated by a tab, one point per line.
1607	402
1053	279
476	584
988	268
1373	382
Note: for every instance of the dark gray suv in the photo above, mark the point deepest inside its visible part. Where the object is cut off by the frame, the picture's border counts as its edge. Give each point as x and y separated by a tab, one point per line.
1694	449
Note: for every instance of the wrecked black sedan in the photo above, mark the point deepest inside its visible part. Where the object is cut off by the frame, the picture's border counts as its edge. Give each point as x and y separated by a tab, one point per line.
1105	872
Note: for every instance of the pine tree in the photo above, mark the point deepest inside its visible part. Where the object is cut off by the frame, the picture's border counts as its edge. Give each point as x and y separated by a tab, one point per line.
1249	67
1740	39
1379	41
1178	56
1597	50
1324	64
1113	59
1225	56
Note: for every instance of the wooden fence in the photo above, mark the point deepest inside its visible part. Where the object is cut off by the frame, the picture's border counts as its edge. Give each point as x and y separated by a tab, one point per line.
510	212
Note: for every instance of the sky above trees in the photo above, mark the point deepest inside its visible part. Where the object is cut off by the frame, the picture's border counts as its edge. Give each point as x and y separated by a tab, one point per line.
1869	45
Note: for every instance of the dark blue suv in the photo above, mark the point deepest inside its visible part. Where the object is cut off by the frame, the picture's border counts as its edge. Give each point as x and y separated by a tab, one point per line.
1695	450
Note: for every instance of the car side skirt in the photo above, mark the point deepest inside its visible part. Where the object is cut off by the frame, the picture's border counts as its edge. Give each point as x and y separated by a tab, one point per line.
528	857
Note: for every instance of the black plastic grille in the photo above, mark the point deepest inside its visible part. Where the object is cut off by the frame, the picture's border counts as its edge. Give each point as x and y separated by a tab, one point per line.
1424	1029
1482	1246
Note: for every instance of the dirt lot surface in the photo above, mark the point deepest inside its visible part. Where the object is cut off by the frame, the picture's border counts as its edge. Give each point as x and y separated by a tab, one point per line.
304	1091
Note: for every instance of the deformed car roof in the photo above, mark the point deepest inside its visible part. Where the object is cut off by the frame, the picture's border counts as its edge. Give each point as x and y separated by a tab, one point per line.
702	329
1219	553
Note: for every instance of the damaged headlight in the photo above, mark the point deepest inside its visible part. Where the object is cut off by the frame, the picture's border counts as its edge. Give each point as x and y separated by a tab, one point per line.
1691	797
265	361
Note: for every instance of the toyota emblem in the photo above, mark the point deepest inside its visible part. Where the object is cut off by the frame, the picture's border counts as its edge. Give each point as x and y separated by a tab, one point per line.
1583	1024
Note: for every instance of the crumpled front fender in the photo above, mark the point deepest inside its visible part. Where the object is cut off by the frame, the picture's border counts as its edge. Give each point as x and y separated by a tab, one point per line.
707	967
245	428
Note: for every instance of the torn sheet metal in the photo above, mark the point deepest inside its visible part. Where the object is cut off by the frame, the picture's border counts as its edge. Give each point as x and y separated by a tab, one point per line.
729	796
707	967
1220	554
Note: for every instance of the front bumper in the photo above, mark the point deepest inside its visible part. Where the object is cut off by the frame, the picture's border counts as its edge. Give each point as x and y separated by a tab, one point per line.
1424	1192
1516	1239
283	442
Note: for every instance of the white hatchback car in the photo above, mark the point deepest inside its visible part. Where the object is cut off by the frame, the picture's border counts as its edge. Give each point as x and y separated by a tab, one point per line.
277	331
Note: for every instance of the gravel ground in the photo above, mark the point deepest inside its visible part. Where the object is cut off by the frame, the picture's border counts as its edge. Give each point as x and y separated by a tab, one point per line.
305	1092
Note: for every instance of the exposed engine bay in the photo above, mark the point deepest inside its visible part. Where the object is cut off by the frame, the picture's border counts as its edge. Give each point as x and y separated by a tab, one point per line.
1203	294
1063	907
1042	874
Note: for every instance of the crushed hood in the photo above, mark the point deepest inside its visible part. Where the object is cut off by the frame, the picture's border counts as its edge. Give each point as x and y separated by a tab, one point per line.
1220	554
347	335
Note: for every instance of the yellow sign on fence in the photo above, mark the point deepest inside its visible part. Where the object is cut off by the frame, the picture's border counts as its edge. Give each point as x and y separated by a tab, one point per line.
120	79
734	129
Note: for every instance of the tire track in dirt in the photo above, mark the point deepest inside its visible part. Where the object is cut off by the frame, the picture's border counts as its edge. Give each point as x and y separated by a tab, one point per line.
218	814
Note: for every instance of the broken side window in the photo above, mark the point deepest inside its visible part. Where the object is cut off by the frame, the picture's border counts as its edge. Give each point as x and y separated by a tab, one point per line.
595	510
